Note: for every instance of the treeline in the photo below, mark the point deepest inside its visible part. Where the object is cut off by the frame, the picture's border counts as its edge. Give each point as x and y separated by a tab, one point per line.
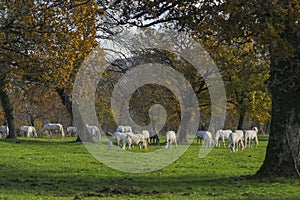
44	43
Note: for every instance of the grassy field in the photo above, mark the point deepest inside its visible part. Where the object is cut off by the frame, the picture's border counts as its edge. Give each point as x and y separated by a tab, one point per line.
62	169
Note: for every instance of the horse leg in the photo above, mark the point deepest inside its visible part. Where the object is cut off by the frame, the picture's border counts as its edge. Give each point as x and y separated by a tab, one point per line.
157	142
124	146
242	145
256	142
232	146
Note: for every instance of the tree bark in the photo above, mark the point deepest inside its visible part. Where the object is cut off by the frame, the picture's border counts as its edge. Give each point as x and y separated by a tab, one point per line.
8	110
283	150
241	119
32	120
182	138
66	100
83	135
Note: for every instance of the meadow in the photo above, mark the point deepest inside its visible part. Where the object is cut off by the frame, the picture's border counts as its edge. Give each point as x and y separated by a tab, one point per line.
56	168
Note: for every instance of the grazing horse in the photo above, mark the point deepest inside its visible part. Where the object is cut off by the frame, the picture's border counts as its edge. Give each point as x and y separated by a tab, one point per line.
53	127
146	135
118	137
71	131
28	131
170	138
221	134
154	137
124	129
136	139
236	140
94	131
4	130
251	135
206	136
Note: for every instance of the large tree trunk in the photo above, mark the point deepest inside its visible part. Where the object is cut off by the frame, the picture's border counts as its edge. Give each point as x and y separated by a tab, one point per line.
8	110
81	127
66	100
241	119
32	120
283	150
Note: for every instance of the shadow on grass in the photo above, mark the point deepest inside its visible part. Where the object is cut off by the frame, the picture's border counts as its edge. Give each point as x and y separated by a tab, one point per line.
40	141
54	184
150	184
263	137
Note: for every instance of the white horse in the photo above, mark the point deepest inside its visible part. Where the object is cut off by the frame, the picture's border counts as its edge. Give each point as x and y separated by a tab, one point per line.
4	130
119	137
236	140
53	127
71	131
127	138
146	135
28	131
94	131
206	136
221	134
124	129
137	139
251	135
170	139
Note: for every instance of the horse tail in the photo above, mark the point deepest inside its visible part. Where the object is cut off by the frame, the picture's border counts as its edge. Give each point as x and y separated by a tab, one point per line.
43	131
34	132
62	132
242	144
256	140
98	133
109	133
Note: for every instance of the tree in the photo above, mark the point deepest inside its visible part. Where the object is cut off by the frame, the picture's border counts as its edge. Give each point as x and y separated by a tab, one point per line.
34	102
77	40
245	71
275	26
15	49
41	42
283	155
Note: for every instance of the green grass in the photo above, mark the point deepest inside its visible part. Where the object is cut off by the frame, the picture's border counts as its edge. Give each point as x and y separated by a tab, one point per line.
62	169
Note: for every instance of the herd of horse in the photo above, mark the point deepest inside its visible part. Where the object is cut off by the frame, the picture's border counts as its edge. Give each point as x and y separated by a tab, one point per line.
236	139
52	129
124	135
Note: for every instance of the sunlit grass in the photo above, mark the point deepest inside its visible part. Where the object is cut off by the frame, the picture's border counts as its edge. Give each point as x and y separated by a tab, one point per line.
62	169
